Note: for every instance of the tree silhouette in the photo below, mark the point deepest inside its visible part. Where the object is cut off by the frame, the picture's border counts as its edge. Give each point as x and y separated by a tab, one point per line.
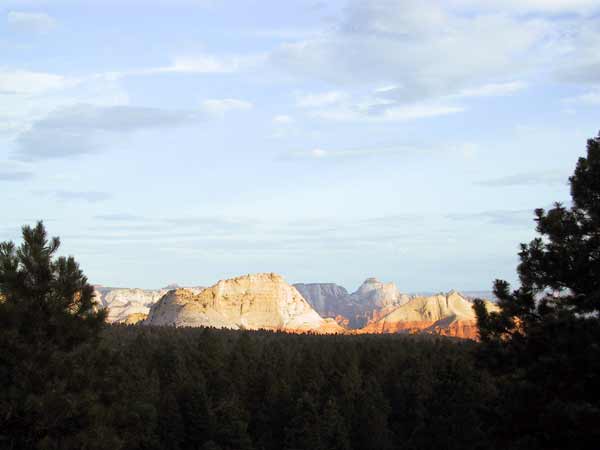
48	300
544	341
47	315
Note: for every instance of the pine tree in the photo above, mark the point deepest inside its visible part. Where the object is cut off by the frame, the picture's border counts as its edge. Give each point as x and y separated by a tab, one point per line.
46	299
371	431
171	430
47	322
544	341
333	428
231	425
195	411
302	433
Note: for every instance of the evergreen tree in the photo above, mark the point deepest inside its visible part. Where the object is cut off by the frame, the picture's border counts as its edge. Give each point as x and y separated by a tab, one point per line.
171	430
371	431
48	325
544	341
333	428
231	425
303	431
47	300
196	414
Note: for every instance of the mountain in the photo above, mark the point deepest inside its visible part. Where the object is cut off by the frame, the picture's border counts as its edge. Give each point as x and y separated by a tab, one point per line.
356	309
446	314
267	301
128	305
469	295
373	297
258	301
328	299
125	302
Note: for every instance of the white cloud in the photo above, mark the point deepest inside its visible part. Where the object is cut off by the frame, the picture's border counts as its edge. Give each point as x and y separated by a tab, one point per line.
423	50
28	83
83	129
545	178
321	99
283	120
386	89
493	89
113	3
203	63
387	104
318	153
219	107
322	154
468	151
385	111
590	98
29	21
86	196
14	171
540	6
26	97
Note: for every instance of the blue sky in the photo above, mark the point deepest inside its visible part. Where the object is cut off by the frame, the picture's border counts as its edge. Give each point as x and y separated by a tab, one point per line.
193	140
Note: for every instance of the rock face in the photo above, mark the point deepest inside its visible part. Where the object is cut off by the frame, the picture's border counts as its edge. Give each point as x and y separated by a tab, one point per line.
266	301
328	299
356	309
128	305
258	301
450	315
373	297
134	318
124	302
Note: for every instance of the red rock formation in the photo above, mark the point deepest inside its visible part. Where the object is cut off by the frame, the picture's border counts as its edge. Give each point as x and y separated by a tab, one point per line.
446	315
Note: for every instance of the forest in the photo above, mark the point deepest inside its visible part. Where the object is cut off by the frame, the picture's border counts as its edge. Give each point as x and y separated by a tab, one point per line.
70	381
168	388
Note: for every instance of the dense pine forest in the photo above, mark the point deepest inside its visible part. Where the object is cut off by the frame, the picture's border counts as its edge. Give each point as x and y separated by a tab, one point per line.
69	381
205	388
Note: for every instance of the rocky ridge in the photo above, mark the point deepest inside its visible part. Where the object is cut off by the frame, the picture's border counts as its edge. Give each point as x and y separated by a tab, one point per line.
257	301
446	314
266	301
127	305
328	299
357	309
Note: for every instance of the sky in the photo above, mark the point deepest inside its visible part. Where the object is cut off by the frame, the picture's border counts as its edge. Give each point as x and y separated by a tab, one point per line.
187	141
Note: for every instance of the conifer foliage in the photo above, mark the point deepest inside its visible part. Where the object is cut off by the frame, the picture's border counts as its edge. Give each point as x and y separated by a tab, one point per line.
544	344
47	316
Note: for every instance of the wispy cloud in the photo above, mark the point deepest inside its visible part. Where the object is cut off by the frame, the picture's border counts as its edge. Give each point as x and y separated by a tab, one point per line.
526	179
81	129
427	51
493	89
387	104
31	21
119	217
283	119
386	112
219	107
589	98
321	99
13	171
30	83
87	196
203	63
520	217
333	154
534	6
